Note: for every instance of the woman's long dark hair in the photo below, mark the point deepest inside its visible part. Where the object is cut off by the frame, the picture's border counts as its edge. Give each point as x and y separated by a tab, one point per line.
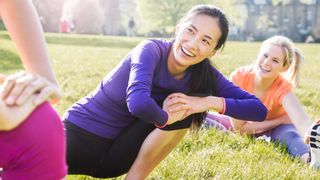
202	84
203	81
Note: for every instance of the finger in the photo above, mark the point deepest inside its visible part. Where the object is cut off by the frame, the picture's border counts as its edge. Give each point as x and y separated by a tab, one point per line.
36	86
186	114
174	101
177	95
9	83
43	95
177	108
18	88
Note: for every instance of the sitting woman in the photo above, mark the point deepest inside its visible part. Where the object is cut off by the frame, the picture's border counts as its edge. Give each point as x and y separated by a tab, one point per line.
271	79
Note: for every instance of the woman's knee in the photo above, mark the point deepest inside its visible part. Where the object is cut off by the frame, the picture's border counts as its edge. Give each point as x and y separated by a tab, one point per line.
285	133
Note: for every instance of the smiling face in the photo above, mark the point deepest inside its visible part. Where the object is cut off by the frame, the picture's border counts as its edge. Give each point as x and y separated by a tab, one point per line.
271	62
196	39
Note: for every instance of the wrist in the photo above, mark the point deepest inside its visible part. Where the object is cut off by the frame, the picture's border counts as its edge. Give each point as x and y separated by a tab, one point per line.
217	104
165	124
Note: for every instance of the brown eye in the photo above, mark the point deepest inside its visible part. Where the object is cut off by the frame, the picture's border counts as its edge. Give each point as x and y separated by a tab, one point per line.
190	30
206	42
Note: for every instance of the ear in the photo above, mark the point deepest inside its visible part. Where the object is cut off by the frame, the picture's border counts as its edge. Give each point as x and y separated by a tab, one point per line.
285	68
212	53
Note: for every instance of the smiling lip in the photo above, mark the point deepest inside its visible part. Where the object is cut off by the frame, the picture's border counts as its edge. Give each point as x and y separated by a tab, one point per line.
187	52
264	70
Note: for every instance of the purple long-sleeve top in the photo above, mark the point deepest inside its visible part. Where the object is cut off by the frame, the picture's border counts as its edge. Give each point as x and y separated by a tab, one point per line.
137	87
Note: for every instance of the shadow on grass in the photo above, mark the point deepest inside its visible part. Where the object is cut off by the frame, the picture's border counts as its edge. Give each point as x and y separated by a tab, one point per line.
9	61
4	36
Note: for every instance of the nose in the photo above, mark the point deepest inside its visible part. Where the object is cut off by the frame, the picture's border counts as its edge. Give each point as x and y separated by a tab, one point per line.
266	61
193	43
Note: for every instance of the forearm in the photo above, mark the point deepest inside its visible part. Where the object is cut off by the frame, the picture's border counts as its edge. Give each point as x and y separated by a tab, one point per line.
296	113
24	28
254	127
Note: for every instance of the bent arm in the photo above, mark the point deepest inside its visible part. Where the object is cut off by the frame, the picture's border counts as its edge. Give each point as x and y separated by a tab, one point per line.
23	25
144	60
239	103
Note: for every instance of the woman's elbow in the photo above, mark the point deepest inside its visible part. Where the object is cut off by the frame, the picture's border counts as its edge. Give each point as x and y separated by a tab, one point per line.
136	110
261	114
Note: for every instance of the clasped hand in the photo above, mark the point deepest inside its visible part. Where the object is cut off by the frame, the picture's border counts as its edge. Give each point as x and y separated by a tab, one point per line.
179	106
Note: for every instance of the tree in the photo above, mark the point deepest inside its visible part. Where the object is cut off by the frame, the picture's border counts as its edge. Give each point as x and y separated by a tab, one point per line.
49	13
164	15
111	13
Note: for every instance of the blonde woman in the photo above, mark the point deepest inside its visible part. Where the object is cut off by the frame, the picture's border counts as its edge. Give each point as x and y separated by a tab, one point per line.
272	79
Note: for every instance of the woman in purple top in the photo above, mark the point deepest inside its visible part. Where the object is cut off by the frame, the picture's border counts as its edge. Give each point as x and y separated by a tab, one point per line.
134	118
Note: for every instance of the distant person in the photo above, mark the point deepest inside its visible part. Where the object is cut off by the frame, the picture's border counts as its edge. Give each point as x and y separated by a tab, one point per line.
32	140
131	28
140	111
72	25
272	79
64	25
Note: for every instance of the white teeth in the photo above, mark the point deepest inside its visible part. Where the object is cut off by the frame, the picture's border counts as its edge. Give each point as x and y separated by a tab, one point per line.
264	69
187	52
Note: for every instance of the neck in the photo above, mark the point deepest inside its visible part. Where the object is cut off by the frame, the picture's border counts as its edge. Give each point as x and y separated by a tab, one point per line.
263	84
175	69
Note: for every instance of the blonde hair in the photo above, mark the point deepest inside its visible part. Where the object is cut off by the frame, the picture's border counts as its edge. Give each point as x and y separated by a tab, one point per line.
293	58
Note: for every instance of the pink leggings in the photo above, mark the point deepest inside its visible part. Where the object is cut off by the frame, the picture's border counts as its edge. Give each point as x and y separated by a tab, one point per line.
35	149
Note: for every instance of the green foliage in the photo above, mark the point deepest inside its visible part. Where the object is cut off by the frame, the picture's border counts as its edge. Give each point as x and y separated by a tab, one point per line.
81	61
167	13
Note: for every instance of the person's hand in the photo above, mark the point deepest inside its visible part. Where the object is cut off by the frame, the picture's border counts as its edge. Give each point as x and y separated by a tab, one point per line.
174	116
12	116
307	135
191	104
285	119
17	88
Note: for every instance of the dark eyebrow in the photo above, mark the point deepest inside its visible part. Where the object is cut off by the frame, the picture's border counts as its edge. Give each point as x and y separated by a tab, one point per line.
207	36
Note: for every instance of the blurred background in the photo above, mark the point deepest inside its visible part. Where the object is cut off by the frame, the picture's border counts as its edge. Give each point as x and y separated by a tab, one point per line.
251	20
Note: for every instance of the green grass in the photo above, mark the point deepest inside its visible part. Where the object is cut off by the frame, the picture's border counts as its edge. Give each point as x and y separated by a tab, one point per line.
81	61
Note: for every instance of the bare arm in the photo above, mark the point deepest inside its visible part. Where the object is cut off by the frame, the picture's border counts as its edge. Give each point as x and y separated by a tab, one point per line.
23	25
296	113
245	127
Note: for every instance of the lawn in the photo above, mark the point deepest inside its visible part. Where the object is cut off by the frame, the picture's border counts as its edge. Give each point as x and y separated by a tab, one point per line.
81	61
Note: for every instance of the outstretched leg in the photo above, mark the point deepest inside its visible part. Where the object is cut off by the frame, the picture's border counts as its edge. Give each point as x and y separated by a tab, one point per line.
155	148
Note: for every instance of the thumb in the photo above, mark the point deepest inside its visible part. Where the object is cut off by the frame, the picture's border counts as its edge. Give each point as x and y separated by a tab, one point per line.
42	96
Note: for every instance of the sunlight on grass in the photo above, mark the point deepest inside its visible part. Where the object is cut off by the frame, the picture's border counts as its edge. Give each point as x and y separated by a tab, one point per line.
81	61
